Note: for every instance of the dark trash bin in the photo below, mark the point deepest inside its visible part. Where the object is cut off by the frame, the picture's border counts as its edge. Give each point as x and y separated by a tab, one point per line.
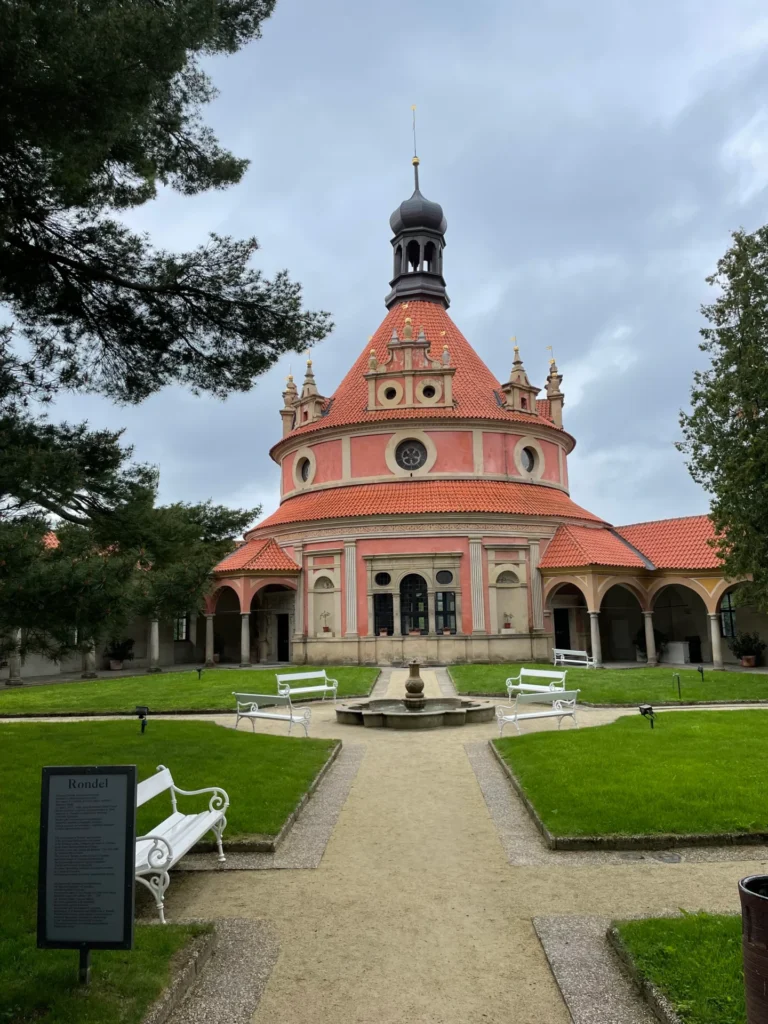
753	892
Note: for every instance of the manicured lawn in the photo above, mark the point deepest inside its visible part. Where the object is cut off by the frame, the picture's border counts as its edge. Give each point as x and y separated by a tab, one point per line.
694	960
167	691
696	772
625	686
264	776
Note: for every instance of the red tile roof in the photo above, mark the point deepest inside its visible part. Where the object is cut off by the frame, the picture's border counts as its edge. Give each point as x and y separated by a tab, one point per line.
427	496
50	540
258	555
584	545
475	388
675	543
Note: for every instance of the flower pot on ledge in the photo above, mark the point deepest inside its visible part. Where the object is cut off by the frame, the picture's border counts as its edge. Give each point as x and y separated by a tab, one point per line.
748	660
326	629
446	632
115	666
383	632
414	632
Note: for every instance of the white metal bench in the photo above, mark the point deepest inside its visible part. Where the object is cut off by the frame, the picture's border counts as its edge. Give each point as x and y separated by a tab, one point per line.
163	847
561	656
286	688
252	705
563	705
525	681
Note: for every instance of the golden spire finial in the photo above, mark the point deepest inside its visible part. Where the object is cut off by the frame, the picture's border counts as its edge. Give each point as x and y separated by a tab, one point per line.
515	346
551	355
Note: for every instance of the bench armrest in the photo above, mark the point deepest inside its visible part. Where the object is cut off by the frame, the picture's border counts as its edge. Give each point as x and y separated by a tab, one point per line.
219	800
160	854
505	709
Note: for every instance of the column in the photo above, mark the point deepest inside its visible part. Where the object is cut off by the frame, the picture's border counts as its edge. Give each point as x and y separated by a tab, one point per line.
537	603
350	586
650	639
154	646
14	662
298	606
717	649
476	578
192	634
431	612
89	663
208	640
398	630
245	639
594	629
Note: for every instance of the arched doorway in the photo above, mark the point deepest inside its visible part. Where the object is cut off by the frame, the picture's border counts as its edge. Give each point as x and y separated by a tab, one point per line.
272	623
680	616
622	629
570	619
414	604
735	615
226	626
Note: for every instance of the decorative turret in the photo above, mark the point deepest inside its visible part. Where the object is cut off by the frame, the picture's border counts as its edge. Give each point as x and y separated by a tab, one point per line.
309	404
409	377
288	412
554	394
418	226
520	393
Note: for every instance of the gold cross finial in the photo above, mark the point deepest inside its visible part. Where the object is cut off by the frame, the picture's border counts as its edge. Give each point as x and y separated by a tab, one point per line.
513	339
551	355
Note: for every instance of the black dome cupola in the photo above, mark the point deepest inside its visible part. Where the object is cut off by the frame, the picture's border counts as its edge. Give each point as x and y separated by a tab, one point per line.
418	226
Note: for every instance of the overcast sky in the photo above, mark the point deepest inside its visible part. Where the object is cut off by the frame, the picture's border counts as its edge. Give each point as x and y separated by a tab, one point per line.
591	160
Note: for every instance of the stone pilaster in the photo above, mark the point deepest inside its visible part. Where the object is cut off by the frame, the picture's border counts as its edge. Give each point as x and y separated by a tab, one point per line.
650	639
537	601
594	629
245	639
298	610
717	647
350	586
209	641
476	578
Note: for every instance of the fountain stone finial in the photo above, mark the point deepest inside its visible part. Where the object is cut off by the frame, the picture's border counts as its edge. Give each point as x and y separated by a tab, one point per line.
414	689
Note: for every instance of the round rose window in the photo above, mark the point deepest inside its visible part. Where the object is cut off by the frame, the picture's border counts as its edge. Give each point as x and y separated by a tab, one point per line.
410	455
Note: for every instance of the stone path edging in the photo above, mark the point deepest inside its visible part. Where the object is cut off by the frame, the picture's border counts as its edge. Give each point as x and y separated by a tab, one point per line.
186	967
655	998
306	839
589	974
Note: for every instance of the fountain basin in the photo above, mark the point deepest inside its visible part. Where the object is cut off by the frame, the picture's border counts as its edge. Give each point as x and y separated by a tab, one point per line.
394	714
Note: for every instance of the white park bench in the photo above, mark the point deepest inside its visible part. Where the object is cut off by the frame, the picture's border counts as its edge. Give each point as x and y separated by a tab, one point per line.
563	705
560	656
260	705
163	847
536	680
286	687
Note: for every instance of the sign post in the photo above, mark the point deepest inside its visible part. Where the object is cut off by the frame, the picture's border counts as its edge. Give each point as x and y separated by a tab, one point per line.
86	882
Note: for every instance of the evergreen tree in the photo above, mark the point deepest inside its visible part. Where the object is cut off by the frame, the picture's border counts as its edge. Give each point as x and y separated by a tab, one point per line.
726	434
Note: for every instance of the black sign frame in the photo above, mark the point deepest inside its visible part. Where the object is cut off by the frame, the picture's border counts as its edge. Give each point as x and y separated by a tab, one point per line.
129	894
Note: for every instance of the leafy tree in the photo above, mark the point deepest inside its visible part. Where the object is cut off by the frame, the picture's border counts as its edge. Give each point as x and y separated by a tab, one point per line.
726	434
100	105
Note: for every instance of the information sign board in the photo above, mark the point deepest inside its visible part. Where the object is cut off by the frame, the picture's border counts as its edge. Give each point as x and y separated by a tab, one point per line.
87	848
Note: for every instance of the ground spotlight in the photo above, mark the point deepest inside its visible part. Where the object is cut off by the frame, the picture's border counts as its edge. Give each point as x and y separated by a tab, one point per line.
141	712
647	712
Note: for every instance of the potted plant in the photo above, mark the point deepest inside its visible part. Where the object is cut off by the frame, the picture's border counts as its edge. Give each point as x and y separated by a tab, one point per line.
325	616
747	647
414	632
446	630
383	631
641	647
117	652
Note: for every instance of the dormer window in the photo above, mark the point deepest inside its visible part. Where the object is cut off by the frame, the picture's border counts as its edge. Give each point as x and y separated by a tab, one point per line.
523	403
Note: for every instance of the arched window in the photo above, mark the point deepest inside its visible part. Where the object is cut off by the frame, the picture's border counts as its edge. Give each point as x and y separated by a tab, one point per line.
414	613
413	255
430	258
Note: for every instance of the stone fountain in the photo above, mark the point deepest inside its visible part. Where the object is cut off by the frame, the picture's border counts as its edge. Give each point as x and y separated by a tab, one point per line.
415	711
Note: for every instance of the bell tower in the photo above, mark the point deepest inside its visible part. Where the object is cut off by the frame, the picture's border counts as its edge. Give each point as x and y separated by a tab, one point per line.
418	227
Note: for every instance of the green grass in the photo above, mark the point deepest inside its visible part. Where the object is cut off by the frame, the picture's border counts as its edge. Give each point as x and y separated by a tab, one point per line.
694	960
625	686
166	691
696	772
264	776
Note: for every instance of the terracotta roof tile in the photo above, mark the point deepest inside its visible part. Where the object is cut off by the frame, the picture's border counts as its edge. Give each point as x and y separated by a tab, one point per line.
258	555
583	545
675	543
426	496
474	386
50	540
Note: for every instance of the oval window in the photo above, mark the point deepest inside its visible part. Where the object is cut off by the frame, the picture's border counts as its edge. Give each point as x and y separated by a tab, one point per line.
428	391
410	455
304	469
390	394
443	576
528	459
382	579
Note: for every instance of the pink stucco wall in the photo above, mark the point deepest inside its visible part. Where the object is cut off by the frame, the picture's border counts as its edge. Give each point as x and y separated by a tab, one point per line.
367	455
551	461
454	451
328	458
493	454
287	468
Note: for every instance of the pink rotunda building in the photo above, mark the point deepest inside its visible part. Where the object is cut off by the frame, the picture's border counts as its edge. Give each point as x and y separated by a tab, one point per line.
425	512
